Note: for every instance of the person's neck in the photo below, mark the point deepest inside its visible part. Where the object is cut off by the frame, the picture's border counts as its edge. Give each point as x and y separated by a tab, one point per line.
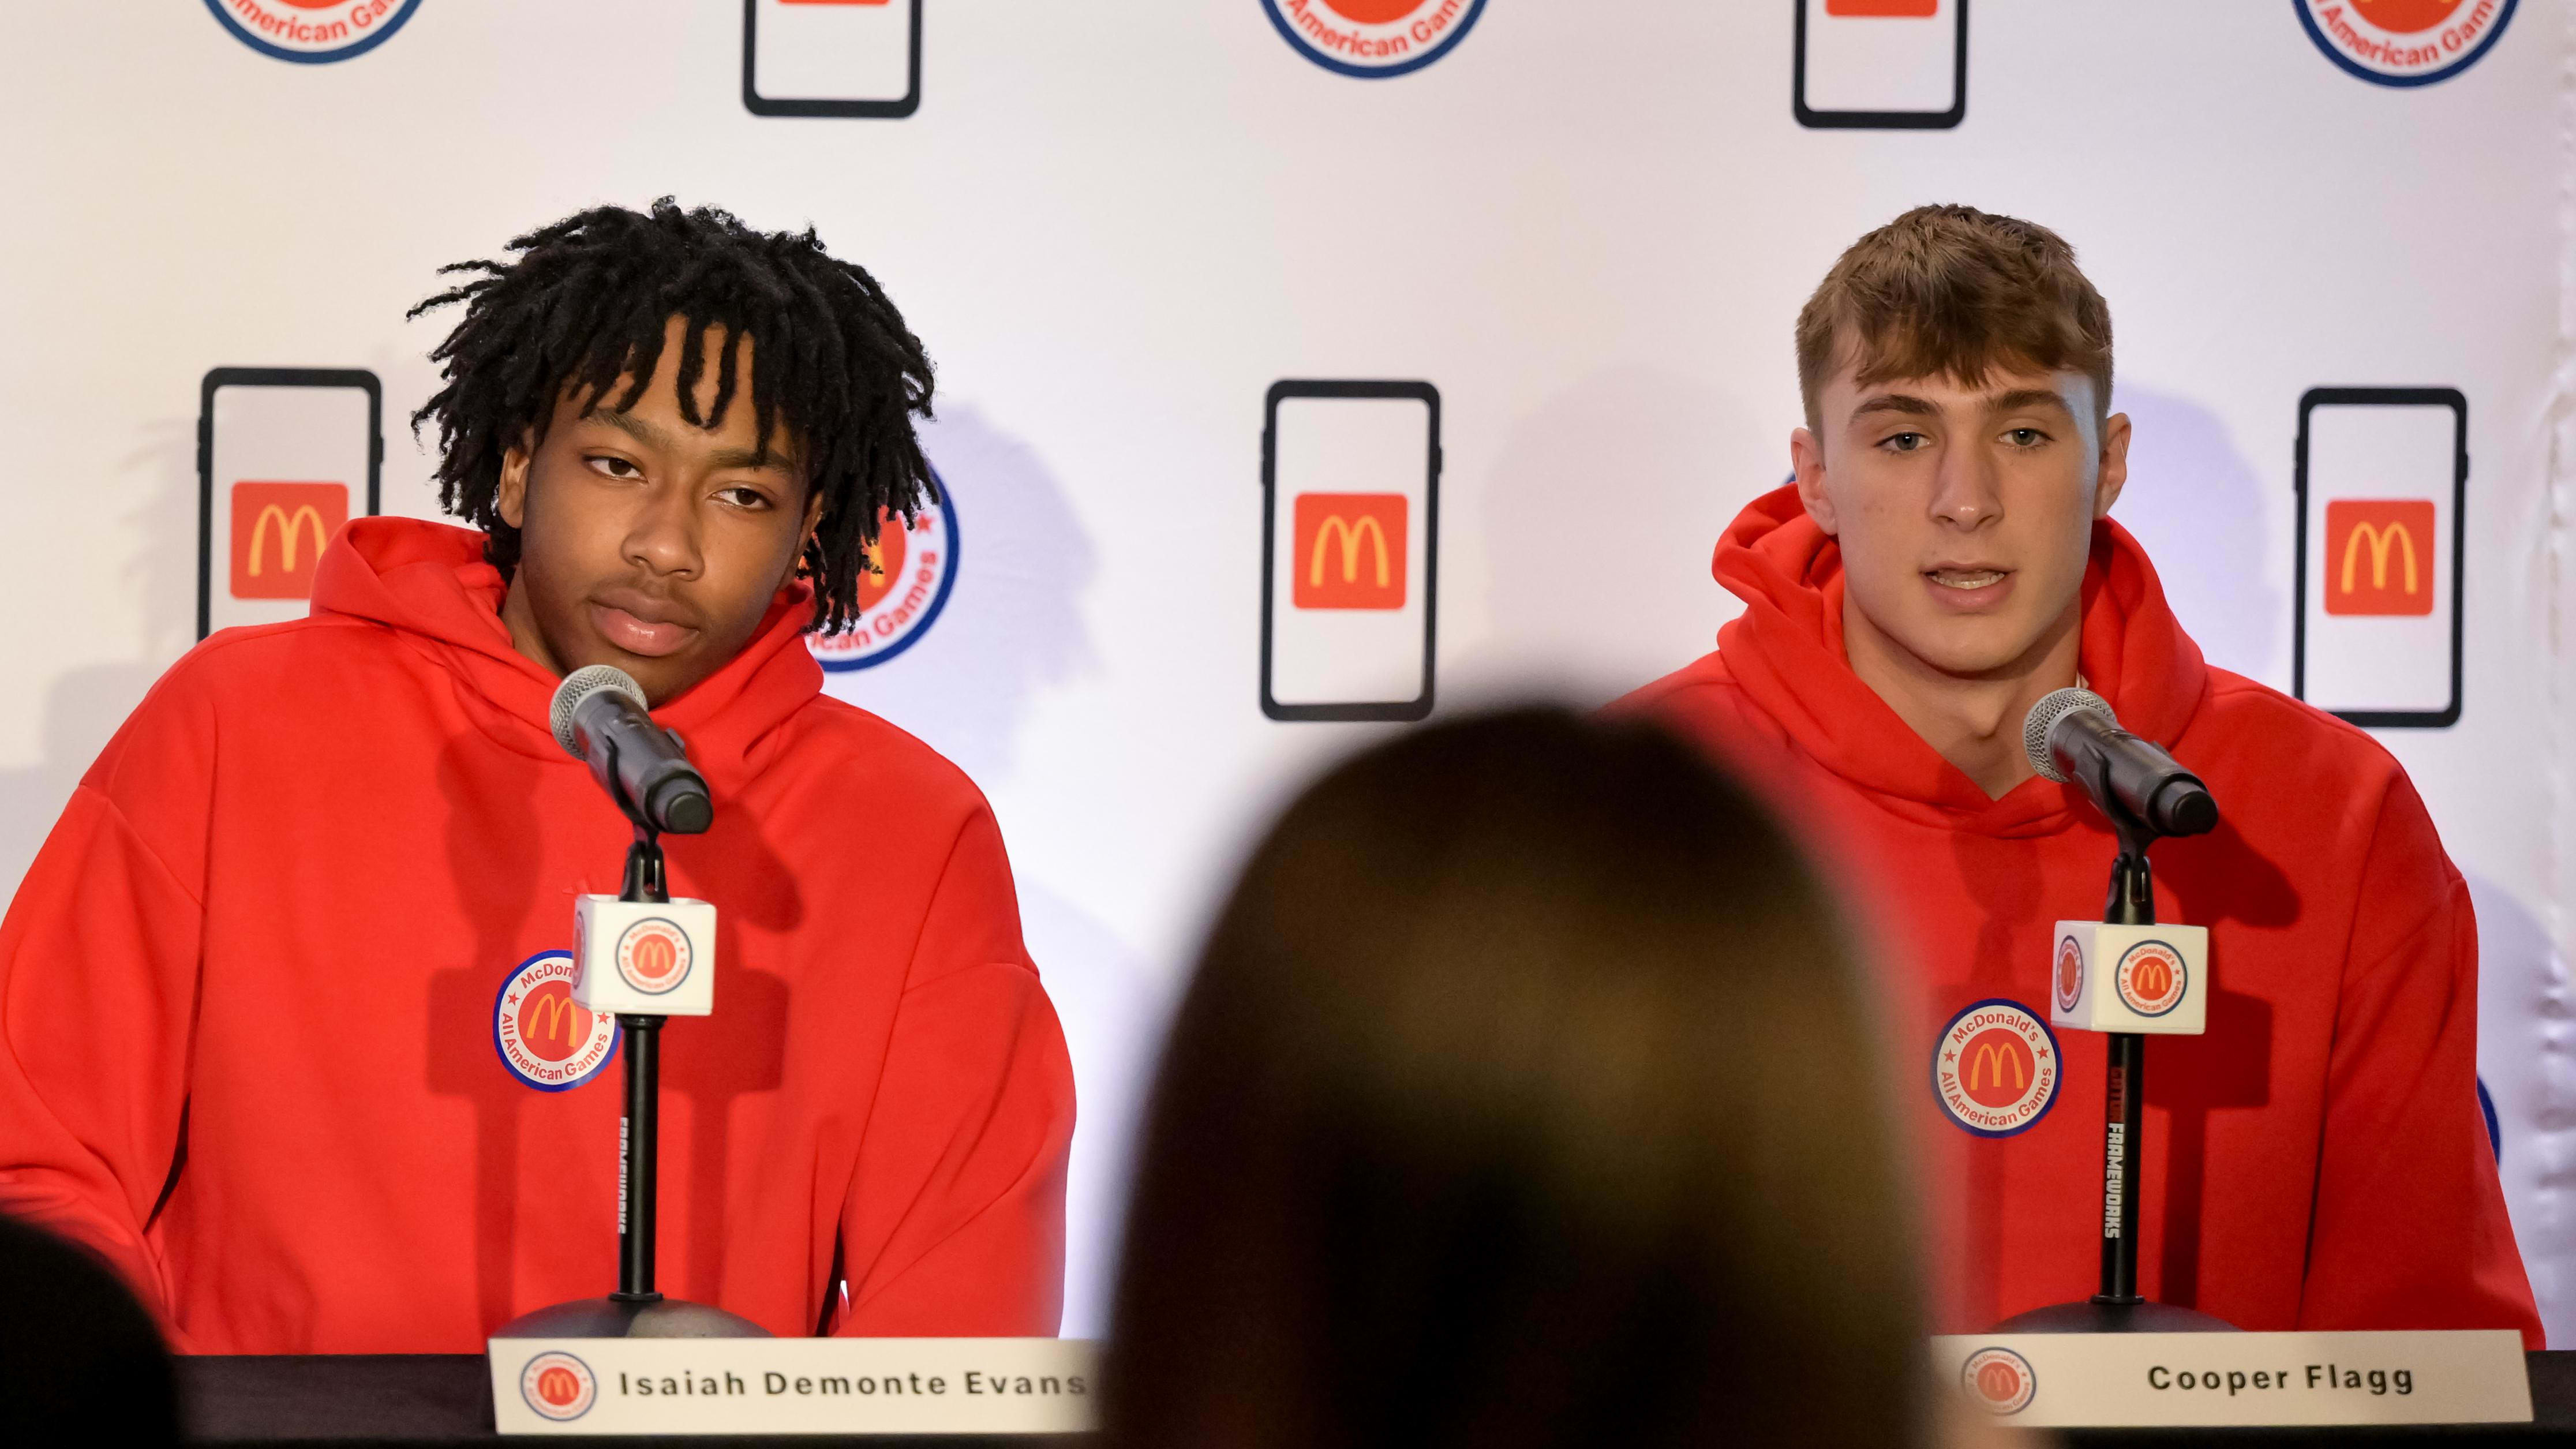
1973	721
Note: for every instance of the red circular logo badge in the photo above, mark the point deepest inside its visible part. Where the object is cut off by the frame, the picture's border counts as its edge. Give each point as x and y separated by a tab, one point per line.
2070	973
2152	978
547	1039
2404	42
1999	1379
1995	1068
1373	38
312	31
903	584
558	1386
654	955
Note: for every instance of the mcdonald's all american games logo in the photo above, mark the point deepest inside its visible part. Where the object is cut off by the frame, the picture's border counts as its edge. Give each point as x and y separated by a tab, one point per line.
2070	973
1373	39
558	1386
908	575
548	1040
2151	978
654	956
2379	556
1994	1069
1349	551
1999	1379
278	533
2404	42
313	31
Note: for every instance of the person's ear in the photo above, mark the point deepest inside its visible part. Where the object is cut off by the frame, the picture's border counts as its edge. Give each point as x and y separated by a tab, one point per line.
510	500
2114	474
1807	455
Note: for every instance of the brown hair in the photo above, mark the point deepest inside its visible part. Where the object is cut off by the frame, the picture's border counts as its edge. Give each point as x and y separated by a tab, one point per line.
1524	1096
1954	290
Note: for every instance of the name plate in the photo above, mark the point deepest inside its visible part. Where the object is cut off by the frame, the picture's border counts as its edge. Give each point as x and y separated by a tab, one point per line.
2178	1380
793	1385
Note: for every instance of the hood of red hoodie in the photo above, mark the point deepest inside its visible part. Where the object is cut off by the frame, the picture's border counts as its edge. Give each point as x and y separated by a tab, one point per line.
1786	652
429	583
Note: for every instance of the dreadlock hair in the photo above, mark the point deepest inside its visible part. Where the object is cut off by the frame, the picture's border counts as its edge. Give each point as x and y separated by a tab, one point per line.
585	302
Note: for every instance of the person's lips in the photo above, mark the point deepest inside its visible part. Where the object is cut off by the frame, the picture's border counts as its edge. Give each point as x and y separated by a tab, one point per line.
640	624
1969	585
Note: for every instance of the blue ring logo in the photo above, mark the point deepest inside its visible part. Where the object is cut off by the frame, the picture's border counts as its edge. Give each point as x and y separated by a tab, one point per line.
336	32
2437	52
1373	49
922	562
1996	1068
545	1038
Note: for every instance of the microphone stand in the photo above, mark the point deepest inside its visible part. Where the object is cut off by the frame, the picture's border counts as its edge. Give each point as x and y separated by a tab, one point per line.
636	1309
2119	1307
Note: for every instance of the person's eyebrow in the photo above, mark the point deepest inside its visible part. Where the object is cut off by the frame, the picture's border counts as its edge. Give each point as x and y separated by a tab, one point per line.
2021	398
653	437
1896	402
632	426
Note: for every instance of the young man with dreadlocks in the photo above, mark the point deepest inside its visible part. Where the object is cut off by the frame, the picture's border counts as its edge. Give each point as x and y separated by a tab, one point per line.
284	998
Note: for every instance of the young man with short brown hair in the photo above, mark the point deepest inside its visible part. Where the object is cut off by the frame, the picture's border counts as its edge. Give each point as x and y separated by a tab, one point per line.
1943	560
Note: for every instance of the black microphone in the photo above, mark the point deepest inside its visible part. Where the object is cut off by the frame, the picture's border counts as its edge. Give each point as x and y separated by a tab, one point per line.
599	717
2073	735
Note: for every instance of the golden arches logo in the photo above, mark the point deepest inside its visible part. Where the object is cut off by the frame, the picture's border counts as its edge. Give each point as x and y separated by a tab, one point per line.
2396	537
279	533
2379	540
655	956
289	527
558	1386
2001	1059
555	1016
1364	533
2153	977
1338	527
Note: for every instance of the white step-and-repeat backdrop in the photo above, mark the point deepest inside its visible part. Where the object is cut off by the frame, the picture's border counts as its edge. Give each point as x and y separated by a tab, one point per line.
1158	246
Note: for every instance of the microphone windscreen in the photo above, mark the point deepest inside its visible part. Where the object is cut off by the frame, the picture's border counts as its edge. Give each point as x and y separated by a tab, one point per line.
581	684
2044	716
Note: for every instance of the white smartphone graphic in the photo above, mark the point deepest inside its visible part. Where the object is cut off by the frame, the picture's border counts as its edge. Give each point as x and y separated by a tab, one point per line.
1880	64
1350	542
285	456
831	57
2383	477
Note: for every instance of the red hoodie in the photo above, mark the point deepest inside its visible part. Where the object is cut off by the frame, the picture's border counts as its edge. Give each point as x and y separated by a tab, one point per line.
2318	1159
284	1017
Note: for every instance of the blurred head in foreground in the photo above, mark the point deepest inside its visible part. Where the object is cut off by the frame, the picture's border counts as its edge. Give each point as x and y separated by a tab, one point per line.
80	1361
1523	1096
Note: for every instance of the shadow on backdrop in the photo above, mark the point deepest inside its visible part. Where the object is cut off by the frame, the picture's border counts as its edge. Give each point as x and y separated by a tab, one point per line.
86	704
1012	630
2198	506
1598	520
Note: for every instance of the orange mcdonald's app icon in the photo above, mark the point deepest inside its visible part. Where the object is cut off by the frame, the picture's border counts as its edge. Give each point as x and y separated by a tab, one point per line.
1349	551
2379	556
278	533
1883	7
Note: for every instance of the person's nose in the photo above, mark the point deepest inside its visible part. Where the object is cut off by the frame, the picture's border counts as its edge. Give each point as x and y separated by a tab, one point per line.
662	537
1967	489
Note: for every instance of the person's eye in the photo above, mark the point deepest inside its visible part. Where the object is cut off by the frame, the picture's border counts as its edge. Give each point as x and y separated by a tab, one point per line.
741	496
1905	442
613	466
2025	437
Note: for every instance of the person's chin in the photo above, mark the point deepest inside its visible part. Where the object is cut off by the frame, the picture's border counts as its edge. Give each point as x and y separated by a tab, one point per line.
1971	648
